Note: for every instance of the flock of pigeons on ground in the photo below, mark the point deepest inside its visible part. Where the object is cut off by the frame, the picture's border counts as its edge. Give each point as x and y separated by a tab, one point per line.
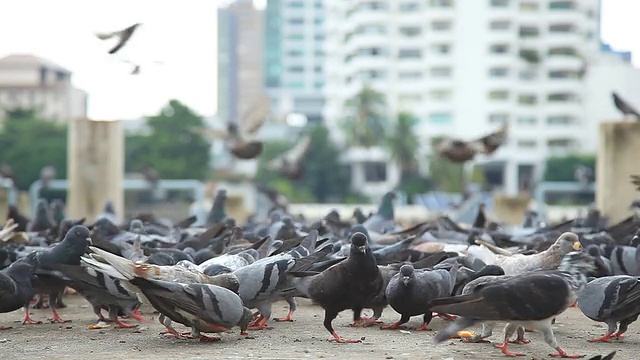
209	277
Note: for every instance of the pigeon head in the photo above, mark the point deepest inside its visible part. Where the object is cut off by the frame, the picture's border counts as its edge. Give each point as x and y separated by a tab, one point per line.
407	273
136	226
230	222
358	243
78	236
216	269
359	229
568	242
594	250
42	207
247	317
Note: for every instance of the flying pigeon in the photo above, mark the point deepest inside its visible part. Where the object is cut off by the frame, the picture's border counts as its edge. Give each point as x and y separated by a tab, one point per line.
122	35
290	163
533	299
460	151
612	300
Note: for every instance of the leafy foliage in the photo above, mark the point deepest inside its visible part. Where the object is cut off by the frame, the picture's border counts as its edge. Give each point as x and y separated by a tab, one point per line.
174	147
28	143
365	125
562	168
324	178
445	175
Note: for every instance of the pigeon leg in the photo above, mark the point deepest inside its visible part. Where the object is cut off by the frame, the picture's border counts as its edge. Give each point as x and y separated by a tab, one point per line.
520	339
359	321
136	314
487	331
27	318
606	338
256	314
328	318
624	325
562	354
509	329
425	325
113	316
396	325
53	301
260	324
293	306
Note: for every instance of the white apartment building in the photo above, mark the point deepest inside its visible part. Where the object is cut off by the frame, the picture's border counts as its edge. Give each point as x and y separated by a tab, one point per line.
294	57
27	81
466	66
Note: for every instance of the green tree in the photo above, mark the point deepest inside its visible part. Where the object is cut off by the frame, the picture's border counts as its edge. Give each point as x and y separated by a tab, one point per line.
561	168
365	125
28	143
174	147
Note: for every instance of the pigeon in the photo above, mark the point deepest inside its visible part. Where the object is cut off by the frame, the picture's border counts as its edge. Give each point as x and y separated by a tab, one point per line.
18	218
612	300
481	218
602	264
47	174
42	220
290	163
68	251
57	212
239	147
203	307
383	220
623	106
16	288
218	211
122	35
460	151
349	284
533	299
410	292
604	357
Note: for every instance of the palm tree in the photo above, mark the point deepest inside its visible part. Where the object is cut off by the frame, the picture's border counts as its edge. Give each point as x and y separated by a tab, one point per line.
403	144
365	126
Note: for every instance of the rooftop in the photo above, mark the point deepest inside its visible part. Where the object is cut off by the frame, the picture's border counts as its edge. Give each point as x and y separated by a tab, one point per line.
29	60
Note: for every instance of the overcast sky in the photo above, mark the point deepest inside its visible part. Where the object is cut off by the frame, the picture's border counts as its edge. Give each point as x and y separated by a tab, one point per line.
181	34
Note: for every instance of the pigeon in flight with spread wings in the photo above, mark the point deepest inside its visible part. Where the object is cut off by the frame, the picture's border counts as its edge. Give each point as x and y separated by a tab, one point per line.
461	151
122	35
289	164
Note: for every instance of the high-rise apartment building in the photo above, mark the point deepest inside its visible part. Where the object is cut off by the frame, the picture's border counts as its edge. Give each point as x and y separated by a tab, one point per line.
294	57
464	67
240	65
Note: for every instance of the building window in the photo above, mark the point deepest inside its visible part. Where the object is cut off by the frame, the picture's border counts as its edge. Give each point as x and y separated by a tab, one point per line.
527	99
441	25
319	37
409	6
562	97
410	54
527	121
318	53
294	53
499	3
375	51
440	72
318	84
560	120
559	144
500	25
528	74
295	37
440	95
317	68
372	29
440	118
410	31
295	85
499	49
498	118
527	144
499	95
499	72
561	5
528	32
375	171
296	4
410	75
441	3
563	74
566	51
373	75
528	6
530	55
561	28
318	21
295	69
296	21
441	49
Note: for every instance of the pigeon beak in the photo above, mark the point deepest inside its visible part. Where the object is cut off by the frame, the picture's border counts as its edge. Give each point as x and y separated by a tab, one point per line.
405	280
362	249
89	240
577	246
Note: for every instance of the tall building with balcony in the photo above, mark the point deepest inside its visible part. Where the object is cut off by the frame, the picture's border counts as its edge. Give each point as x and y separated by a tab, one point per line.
294	57
30	82
465	67
240	53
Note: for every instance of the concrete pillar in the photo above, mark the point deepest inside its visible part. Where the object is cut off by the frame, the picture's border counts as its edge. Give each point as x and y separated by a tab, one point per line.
618	157
511	178
95	167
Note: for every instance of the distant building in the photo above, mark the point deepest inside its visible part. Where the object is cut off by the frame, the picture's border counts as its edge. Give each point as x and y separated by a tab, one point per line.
27	81
294	57
240	60
464	67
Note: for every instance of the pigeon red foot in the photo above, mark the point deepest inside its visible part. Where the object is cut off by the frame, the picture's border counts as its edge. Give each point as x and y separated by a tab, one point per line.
287	318
56	318
423	327
259	324
365	322
121	325
562	354
505	350
395	325
28	319
606	338
338	339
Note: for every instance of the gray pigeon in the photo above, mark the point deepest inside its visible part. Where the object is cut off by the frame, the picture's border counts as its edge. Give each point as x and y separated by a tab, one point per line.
123	37
16	288
383	221
410	292
625	260
612	300
204	308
